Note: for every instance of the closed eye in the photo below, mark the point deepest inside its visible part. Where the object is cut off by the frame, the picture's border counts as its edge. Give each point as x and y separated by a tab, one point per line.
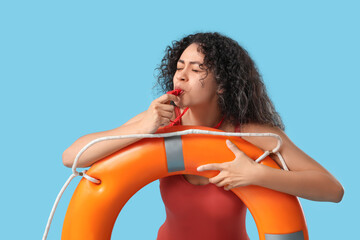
193	70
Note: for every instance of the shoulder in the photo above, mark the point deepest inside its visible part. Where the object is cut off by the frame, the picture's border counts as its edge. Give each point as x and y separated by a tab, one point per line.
266	142
257	127
294	157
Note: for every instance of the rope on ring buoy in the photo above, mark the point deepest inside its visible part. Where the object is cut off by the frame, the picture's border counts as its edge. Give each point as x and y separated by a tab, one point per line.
159	135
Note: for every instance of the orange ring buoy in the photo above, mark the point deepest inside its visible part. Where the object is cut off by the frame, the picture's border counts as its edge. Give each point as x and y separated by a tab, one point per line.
94	208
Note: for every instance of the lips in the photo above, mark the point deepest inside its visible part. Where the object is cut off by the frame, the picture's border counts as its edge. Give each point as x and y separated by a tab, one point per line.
181	91
176	92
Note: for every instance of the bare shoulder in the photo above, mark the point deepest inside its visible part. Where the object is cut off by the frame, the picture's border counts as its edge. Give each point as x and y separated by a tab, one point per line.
294	157
262	128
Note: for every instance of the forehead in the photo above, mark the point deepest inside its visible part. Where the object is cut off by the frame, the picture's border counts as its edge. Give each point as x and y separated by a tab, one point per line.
191	55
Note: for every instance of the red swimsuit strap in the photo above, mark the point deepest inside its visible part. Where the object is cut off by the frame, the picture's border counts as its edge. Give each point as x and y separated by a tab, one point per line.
218	125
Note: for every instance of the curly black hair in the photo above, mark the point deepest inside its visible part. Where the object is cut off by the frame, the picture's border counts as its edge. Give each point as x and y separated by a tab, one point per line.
244	98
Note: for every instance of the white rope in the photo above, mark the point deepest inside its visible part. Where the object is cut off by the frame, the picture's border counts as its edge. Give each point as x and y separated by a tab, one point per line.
158	135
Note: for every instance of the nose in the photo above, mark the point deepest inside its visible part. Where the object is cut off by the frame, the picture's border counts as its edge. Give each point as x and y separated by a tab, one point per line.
182	74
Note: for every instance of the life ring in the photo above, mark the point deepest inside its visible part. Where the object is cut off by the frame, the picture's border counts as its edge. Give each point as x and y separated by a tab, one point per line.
94	208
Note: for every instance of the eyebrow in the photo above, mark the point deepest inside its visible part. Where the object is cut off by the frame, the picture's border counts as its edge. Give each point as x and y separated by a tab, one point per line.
191	62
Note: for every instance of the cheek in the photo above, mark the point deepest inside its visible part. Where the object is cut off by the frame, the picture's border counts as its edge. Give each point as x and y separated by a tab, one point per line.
199	95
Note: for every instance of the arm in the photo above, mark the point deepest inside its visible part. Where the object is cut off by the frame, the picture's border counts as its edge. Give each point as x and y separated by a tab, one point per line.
306	178
102	149
310	184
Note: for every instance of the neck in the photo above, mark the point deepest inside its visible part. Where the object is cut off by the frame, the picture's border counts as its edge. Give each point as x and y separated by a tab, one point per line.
207	115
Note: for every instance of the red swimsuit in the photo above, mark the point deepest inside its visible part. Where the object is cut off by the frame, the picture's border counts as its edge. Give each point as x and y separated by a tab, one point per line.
197	212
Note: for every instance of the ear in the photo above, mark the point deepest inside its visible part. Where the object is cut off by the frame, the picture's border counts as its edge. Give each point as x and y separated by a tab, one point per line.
219	89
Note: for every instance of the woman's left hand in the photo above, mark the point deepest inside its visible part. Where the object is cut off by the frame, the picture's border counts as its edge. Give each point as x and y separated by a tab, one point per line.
240	172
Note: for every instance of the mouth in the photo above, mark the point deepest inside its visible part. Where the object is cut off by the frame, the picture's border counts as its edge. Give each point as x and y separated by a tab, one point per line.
176	92
179	91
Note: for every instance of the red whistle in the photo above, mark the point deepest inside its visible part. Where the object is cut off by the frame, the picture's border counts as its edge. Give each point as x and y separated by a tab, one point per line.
175	92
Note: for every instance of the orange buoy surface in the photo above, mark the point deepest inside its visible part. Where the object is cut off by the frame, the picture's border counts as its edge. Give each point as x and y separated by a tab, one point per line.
94	208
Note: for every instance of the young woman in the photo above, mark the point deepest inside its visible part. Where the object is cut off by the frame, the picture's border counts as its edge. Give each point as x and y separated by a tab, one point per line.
221	88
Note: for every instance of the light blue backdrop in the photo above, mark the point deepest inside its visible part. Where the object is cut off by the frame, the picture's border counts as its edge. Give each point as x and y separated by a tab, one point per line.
70	68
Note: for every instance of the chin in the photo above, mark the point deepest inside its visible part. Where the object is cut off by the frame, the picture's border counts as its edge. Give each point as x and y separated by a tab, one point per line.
185	104
180	105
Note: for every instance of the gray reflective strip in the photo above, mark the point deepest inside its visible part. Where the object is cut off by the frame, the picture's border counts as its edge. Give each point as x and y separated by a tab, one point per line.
291	236
174	153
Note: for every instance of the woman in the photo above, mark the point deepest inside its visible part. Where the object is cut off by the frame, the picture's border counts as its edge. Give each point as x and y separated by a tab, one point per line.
221	88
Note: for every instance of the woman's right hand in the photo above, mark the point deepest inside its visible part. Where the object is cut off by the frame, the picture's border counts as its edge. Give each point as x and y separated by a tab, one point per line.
159	113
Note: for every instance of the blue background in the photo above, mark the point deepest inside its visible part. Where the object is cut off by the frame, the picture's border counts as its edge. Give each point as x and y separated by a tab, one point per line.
70	68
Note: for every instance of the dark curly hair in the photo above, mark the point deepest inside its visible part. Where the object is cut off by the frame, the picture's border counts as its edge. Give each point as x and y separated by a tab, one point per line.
244	98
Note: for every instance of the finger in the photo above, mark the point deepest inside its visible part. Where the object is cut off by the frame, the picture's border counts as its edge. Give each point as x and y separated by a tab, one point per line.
222	182
166	107
212	166
218	178
164	121
166	98
225	183
166	114
228	187
233	147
